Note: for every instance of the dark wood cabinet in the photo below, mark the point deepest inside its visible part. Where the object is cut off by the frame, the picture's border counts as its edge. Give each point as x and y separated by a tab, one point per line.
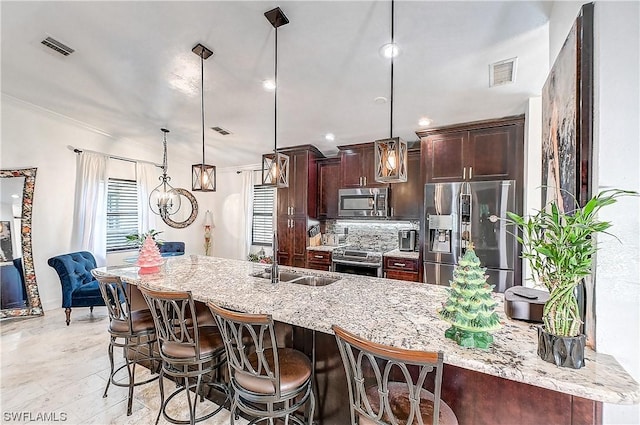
328	185
296	204
358	166
407	198
319	260
402	269
484	150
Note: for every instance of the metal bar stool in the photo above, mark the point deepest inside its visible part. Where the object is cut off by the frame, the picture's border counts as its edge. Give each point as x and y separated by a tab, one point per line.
129	330
267	383
188	350
382	390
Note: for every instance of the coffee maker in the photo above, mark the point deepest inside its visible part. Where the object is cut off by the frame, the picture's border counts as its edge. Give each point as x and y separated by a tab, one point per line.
407	240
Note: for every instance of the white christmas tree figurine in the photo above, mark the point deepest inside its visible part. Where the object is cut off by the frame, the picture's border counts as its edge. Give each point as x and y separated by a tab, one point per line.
149	259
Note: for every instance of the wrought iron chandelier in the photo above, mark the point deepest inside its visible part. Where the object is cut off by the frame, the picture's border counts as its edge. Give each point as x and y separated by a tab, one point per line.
164	200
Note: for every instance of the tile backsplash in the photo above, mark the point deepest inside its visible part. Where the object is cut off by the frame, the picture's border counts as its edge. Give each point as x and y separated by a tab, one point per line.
376	234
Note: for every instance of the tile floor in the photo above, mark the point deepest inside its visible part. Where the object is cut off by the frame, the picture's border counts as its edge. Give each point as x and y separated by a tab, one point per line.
53	373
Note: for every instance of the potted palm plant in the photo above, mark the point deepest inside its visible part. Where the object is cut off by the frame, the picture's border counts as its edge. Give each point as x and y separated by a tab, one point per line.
559	248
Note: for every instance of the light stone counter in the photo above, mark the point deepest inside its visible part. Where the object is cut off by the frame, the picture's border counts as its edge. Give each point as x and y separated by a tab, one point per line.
324	248
388	312
396	253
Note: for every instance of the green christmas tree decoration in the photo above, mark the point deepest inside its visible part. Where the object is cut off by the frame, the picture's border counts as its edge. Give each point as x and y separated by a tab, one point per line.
469	307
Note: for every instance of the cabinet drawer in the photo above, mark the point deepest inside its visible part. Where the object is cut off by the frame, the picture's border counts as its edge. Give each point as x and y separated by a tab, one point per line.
400	275
322	257
392	263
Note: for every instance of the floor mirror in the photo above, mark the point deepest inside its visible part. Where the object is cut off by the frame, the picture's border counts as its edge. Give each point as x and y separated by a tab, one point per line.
19	289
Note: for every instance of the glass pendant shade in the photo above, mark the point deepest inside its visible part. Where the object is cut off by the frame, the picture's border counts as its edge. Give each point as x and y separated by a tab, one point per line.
203	177
164	200
275	169
391	160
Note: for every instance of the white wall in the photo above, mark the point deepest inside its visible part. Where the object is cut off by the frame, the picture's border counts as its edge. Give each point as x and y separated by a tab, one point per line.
532	167
32	137
617	141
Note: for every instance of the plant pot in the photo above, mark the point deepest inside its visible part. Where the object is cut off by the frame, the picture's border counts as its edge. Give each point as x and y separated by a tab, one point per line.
563	351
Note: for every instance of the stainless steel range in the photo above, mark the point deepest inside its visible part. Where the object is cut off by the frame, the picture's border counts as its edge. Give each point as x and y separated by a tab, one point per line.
357	260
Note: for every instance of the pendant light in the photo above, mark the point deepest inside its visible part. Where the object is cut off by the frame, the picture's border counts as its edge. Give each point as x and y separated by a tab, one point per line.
275	166
203	176
391	153
164	200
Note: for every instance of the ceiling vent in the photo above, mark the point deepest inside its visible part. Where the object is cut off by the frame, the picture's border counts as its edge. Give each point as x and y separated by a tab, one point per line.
221	130
503	72
54	44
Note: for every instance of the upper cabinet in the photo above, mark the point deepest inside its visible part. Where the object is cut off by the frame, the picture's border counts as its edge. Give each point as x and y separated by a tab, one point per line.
483	150
328	185
358	166
300	198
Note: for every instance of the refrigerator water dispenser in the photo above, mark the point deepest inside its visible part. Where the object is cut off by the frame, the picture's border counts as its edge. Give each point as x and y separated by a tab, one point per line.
440	228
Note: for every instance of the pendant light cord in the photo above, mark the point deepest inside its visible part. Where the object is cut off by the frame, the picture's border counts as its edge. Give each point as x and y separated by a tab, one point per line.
393	48
275	102
202	100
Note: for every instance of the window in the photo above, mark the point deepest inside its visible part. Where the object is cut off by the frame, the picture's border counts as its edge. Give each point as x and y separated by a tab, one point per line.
262	228
122	213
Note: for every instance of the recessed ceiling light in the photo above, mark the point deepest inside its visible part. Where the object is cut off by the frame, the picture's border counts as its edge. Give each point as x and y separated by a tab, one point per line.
330	137
15	196
380	100
269	85
424	121
389	50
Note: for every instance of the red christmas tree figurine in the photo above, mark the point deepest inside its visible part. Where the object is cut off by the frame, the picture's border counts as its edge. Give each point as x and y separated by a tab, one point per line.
149	259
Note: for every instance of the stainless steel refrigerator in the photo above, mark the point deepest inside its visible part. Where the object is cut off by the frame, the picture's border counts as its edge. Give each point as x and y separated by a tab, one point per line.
463	212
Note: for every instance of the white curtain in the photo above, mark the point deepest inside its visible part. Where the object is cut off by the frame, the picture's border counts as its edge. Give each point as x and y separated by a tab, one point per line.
89	231
146	180
247	208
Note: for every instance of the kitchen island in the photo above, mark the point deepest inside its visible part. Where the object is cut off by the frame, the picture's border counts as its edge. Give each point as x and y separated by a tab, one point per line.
505	384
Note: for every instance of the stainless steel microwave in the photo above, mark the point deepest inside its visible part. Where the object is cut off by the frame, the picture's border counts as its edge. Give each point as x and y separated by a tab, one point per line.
363	202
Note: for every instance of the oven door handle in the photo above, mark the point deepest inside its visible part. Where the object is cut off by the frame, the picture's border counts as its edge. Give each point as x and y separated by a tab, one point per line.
357	263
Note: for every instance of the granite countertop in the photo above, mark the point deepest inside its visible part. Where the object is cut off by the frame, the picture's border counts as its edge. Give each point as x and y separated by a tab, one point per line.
324	248
396	253
403	316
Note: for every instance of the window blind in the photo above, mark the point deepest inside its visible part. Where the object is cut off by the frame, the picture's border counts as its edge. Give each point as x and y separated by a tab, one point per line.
262	228
122	213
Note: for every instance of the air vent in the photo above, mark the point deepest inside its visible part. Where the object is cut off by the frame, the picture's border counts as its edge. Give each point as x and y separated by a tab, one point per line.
221	130
503	72
54	44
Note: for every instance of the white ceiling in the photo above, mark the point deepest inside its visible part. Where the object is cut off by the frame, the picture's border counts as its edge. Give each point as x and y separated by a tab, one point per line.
133	70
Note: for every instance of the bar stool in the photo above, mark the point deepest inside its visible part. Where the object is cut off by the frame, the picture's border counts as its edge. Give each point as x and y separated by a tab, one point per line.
129	330
188	350
267	383
376	399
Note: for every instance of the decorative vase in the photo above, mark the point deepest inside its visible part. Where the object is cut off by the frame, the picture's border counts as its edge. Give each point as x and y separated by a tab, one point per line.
563	351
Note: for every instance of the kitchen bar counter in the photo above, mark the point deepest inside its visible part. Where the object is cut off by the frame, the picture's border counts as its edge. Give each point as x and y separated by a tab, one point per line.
388	312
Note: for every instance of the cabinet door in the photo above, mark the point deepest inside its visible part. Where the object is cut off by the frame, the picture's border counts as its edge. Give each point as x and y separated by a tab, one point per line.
406	198
351	168
285	248
298	179
328	185
299	241
492	153
444	160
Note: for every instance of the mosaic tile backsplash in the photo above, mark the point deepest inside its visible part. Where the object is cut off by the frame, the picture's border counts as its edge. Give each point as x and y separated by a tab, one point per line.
378	235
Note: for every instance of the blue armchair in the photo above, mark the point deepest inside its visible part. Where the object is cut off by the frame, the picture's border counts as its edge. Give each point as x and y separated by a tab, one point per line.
79	287
169	249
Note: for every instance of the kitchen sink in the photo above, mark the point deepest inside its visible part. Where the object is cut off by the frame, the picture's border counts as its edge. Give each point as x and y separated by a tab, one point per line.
300	279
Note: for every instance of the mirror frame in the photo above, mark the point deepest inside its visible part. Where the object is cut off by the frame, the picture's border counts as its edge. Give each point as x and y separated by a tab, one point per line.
194	211
33	297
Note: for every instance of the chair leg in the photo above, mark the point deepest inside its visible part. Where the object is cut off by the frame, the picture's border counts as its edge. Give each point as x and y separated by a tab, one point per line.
111	363
161	381
131	369
312	407
67	312
91	309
